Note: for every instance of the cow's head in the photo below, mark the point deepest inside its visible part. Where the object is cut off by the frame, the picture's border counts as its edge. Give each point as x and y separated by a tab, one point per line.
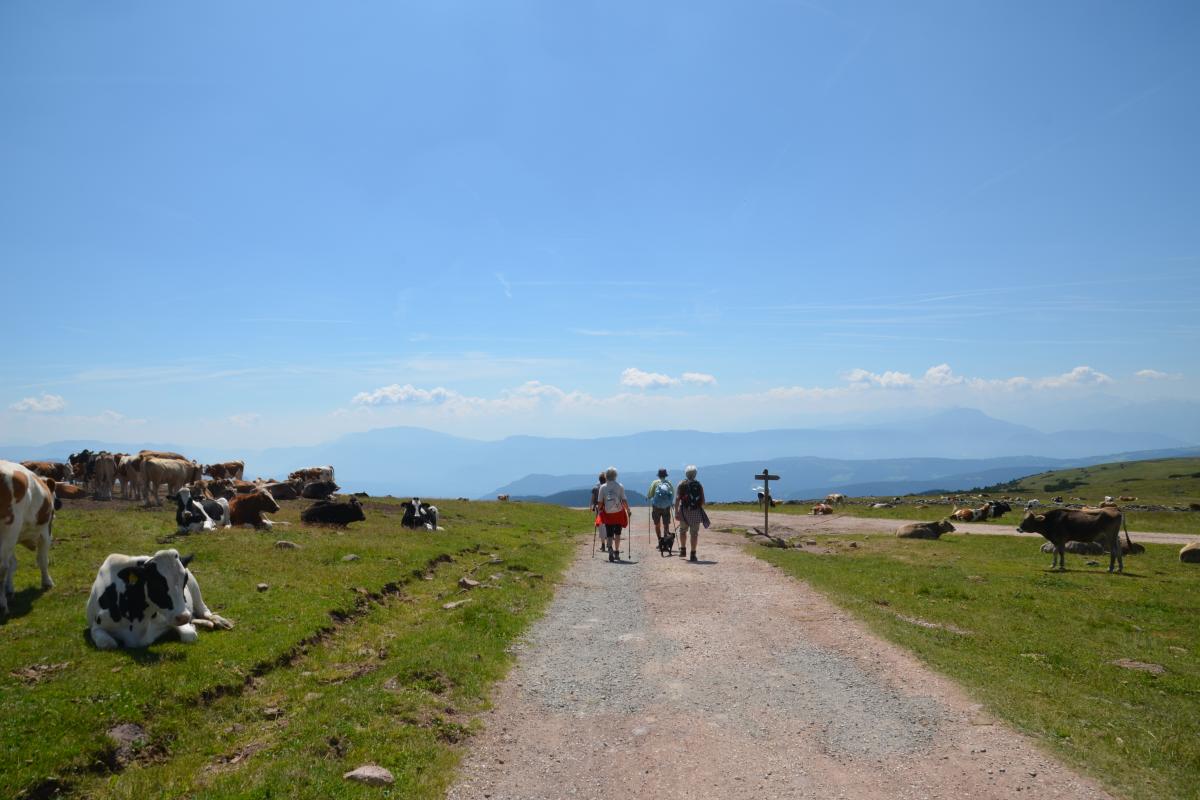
356	511
1032	523
943	526
159	582
262	501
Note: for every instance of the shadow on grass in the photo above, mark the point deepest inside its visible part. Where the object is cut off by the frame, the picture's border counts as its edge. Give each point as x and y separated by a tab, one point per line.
142	655
21	603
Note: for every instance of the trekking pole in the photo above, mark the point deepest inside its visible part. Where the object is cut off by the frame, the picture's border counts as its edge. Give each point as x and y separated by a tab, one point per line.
595	532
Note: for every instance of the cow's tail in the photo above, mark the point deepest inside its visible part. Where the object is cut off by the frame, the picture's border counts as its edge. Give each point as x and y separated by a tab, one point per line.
1127	539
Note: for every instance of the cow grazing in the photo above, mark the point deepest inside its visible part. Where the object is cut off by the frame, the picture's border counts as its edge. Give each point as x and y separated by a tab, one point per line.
822	508
248	509
226	469
104	473
1060	525
58	471
419	515
503	498
925	530
327	512
318	490
169	472
835	499
27	506
136	599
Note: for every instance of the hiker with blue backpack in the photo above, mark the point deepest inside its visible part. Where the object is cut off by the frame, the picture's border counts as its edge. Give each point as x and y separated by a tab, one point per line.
662	498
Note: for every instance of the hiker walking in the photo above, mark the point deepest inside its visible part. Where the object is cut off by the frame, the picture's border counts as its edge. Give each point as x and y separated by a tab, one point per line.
689	510
596	509
614	511
661	497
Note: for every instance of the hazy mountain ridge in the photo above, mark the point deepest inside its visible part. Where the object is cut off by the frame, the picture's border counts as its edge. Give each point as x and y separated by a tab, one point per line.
406	460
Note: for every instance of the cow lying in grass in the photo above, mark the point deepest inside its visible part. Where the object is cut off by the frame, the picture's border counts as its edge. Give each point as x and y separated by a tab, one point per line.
137	599
419	515
924	530
329	512
1060	525
193	515
248	509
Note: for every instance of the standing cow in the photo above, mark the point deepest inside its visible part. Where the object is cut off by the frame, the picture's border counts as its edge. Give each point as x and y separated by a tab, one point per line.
27	506
1061	525
169	472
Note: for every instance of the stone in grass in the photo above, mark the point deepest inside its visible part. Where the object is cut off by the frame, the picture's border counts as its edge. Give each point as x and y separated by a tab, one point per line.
455	604
371	775
1141	666
262	587
467	583
284	544
350	557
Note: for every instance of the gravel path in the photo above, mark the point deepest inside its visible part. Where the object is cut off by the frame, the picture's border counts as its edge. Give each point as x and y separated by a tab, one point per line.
726	679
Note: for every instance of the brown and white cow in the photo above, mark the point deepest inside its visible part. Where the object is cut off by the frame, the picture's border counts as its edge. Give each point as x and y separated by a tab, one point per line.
248	509
162	454
312	474
129	472
169	472
503	498
226	469
835	499
822	508
27	505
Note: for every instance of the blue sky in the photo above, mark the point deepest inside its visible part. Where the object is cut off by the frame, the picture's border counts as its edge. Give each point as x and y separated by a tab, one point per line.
272	223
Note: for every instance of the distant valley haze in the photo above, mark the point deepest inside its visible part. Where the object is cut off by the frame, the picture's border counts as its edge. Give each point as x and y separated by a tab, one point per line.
957	448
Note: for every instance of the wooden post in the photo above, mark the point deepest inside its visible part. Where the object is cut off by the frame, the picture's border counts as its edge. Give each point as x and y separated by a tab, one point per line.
766	477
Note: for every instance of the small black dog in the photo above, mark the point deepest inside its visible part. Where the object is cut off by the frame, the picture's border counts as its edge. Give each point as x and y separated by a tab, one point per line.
666	543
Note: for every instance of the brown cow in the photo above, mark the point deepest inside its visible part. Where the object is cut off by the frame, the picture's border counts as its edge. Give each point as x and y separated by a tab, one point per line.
925	530
822	508
312	474
58	470
226	469
835	499
104	472
172	473
248	509
129	472
1060	525
162	454
503	498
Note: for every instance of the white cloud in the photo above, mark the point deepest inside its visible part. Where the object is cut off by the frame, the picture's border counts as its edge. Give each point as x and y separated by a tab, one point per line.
1080	376
46	404
1155	375
245	420
699	378
406	394
861	378
646	380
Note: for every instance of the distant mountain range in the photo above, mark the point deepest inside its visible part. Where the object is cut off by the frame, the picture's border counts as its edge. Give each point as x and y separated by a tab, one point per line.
957	447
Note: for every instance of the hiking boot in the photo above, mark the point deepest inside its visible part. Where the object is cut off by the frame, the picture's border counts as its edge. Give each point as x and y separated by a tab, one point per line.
682	550
693	558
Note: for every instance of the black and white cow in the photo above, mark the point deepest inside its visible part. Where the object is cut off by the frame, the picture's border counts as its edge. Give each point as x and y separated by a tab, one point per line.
137	599
192	515
419	515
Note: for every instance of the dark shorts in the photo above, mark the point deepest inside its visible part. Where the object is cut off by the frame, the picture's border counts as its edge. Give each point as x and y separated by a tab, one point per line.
661	513
612	530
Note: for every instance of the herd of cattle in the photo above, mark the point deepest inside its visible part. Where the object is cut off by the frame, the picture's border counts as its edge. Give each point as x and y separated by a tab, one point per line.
136	599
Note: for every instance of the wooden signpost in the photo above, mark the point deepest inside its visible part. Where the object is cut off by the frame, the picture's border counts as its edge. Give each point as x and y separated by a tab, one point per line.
766	477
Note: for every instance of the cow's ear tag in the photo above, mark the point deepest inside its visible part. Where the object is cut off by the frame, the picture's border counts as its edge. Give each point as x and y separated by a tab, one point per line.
133	578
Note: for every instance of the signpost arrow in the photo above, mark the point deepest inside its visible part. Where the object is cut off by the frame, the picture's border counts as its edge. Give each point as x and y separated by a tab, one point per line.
766	477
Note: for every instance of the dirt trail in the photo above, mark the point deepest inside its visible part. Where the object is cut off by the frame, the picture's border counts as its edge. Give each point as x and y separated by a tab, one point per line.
726	679
793	524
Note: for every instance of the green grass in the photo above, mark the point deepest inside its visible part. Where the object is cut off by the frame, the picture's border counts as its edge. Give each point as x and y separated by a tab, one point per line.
1172	482
1039	644
359	657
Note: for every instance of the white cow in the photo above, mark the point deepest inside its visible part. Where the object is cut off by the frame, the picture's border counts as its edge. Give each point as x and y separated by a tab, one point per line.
136	599
27	506
170	472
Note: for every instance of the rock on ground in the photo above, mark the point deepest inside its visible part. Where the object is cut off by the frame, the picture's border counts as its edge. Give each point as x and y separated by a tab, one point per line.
371	775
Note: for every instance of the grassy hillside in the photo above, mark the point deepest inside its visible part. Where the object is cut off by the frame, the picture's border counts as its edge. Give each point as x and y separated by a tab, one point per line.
338	663
1165	490
1037	647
